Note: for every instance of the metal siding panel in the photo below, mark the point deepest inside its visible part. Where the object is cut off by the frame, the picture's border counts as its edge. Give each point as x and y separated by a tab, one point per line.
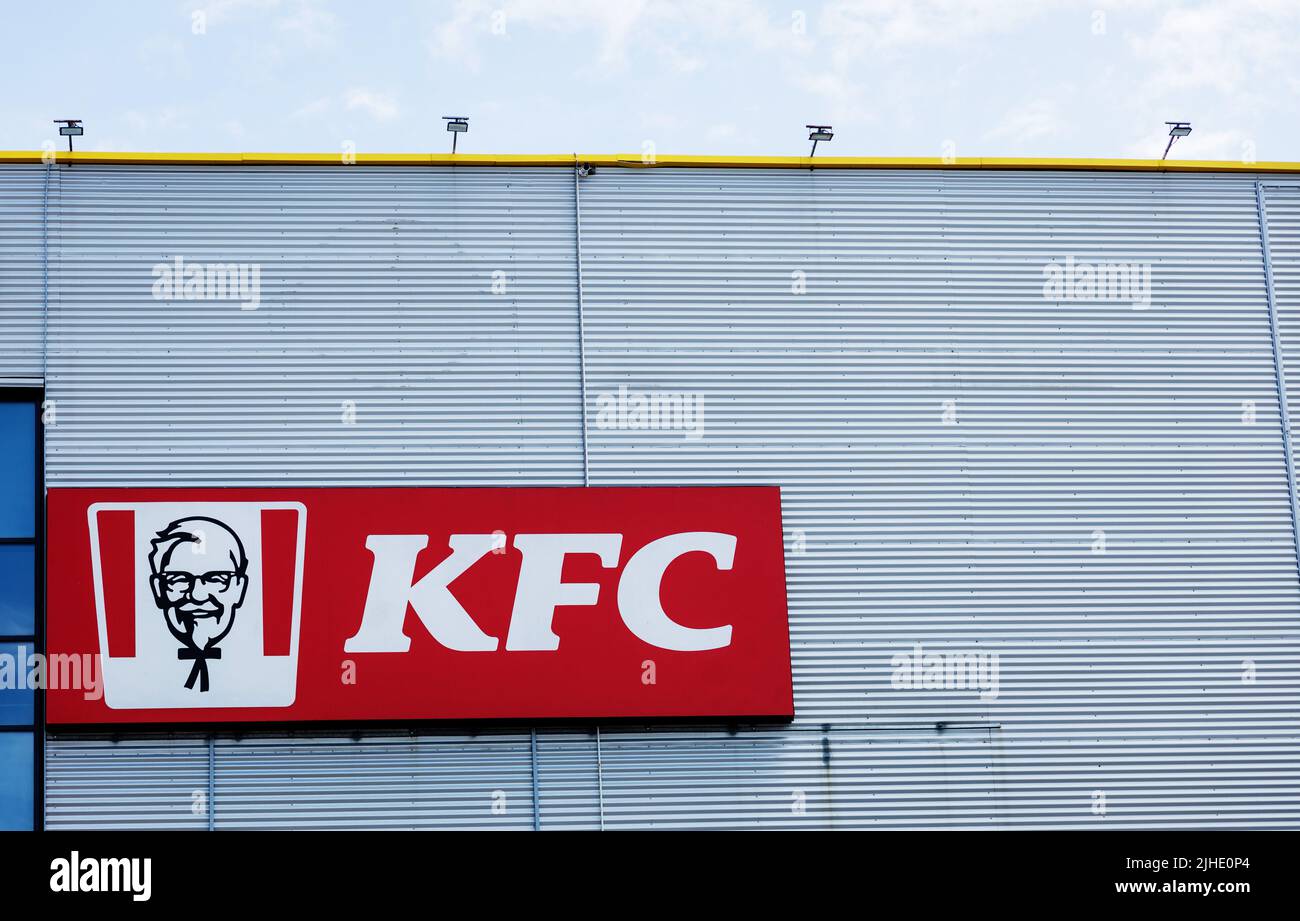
330	782
816	779
1120	673
1283	214
568	784
403	782
21	192
126	783
376	288
924	287
824	778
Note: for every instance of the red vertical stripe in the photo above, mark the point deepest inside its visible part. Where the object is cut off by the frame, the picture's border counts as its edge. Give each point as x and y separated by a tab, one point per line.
117	552
279	553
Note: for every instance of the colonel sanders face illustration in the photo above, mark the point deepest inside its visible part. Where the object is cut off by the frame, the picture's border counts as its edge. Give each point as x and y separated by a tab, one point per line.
199	578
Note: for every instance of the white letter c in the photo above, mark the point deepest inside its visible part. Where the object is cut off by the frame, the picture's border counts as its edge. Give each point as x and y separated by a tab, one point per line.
638	591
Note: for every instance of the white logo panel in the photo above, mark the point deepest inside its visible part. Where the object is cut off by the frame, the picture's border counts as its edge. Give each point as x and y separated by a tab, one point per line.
199	599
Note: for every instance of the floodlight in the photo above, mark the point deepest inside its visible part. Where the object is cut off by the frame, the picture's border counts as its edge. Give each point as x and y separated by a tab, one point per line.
70	128
1176	130
818	133
456	124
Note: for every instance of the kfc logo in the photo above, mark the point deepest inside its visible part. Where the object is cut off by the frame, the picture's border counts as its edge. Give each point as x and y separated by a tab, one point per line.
222	605
188	610
539	591
198	603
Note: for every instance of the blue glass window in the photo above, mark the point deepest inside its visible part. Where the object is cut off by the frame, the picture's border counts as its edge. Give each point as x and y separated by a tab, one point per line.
17	589
17	469
16	767
19	624
15	696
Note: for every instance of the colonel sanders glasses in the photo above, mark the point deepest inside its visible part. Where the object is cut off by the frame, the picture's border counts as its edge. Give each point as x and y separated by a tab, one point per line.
185	581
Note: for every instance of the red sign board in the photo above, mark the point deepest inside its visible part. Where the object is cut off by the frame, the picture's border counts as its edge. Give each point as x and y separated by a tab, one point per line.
354	604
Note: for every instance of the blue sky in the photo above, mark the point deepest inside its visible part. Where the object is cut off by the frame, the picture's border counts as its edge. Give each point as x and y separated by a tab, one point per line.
895	78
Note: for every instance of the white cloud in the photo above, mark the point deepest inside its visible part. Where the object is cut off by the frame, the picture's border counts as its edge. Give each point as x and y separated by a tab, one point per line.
1224	48
892	76
672	30
854	34
724	131
858	26
379	106
165	55
311	25
156	122
219	12
305	23
838	98
313	109
1031	121
1226	67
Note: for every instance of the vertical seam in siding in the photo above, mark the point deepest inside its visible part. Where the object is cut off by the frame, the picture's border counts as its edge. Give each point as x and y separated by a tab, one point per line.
582	386
537	805
38	732
45	274
582	364
1279	371
212	783
600	781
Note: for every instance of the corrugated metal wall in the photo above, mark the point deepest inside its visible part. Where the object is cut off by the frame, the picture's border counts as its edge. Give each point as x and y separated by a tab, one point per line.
1282	213
953	447
22	217
1094	493
138	783
376	298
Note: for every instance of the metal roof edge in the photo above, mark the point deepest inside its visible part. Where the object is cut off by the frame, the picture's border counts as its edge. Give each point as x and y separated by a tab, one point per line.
637	161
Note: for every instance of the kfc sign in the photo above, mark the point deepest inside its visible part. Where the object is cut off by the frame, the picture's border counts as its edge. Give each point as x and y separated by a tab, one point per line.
353	604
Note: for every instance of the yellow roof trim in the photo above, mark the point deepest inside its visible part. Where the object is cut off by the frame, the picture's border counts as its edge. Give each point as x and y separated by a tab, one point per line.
635	161
287	159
